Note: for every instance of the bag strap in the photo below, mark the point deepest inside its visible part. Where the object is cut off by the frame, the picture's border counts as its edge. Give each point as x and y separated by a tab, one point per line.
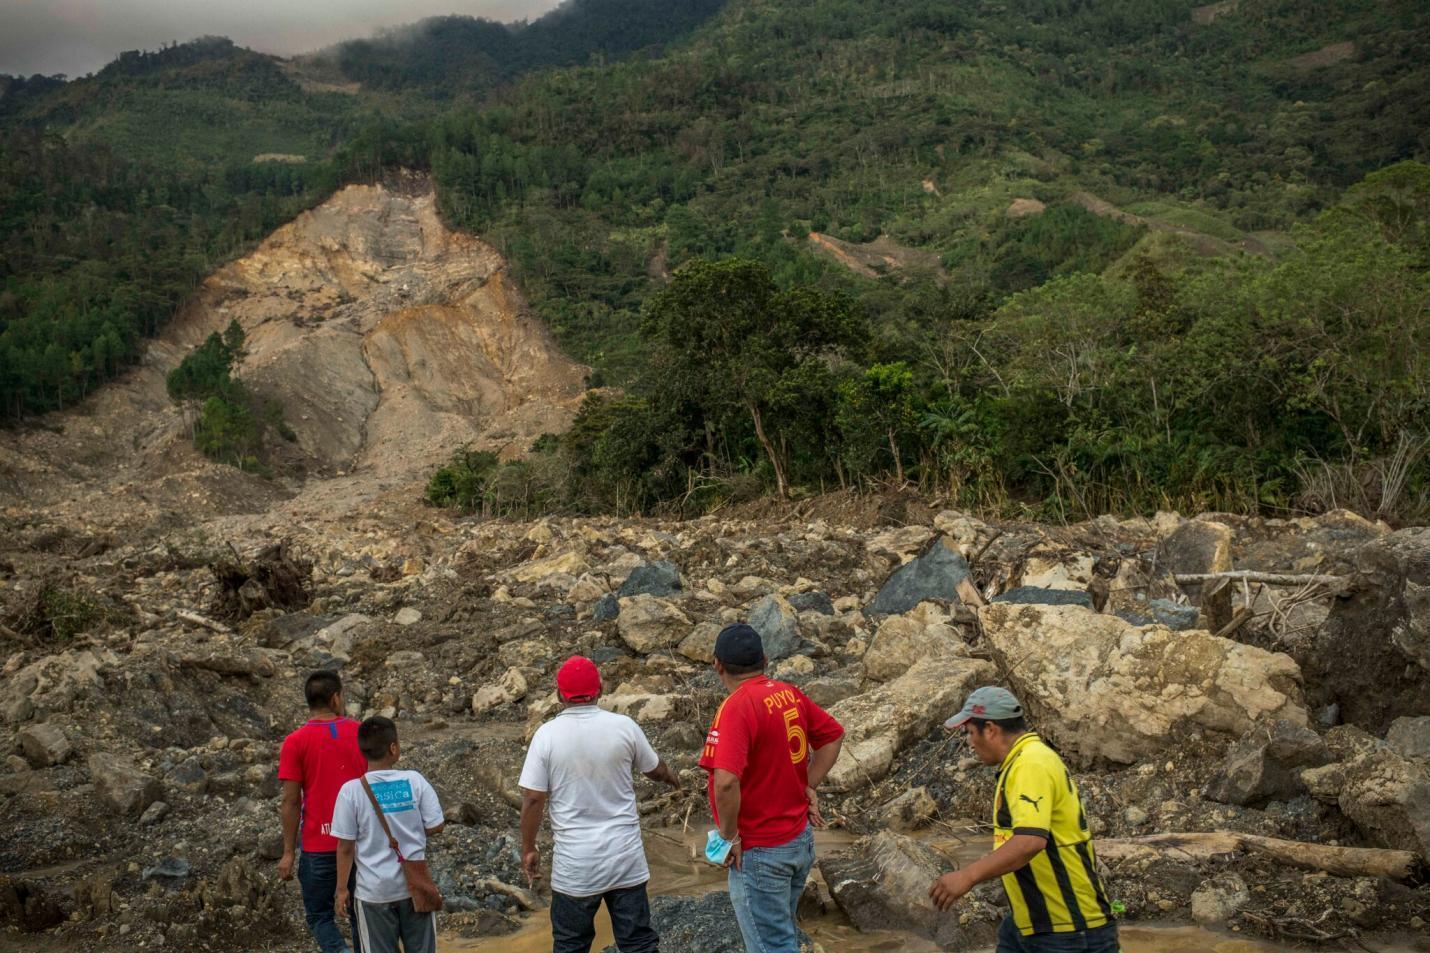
392	841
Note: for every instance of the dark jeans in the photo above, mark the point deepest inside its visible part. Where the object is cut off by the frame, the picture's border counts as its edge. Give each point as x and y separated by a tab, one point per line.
573	921
318	880
1101	939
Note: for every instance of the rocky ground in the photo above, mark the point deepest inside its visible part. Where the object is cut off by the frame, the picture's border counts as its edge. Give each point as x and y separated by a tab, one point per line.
142	700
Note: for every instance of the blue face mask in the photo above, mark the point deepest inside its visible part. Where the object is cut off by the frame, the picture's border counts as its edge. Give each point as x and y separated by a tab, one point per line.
717	848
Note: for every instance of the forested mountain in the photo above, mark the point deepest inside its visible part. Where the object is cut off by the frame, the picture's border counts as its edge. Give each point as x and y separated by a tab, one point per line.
1117	264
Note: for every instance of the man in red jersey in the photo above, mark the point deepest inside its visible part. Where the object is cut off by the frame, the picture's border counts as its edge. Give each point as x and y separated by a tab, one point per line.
314	763
768	749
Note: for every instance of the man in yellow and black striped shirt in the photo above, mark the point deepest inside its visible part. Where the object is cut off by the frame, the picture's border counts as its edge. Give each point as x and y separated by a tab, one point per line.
1042	844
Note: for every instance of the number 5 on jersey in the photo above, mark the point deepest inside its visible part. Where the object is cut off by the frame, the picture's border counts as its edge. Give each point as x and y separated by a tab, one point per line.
799	743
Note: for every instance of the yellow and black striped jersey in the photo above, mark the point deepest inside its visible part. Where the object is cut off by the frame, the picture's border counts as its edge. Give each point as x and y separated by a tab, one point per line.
1058	891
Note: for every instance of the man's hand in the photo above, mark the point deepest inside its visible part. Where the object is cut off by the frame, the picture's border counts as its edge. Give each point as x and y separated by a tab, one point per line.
344	902
815	817
736	857
285	866
531	866
948	888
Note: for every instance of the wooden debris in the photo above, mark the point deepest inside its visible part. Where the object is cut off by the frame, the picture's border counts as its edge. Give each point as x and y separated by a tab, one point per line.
1399	865
203	622
1338	583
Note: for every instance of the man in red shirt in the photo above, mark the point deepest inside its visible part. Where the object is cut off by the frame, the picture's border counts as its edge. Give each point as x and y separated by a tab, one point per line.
314	763
768	749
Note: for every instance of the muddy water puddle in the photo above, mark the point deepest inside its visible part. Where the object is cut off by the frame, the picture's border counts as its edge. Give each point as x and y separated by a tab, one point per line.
675	871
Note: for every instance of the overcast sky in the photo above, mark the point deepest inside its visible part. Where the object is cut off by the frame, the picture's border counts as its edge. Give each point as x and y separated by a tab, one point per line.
76	37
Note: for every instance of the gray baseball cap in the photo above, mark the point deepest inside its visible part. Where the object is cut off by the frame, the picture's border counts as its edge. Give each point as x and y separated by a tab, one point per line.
990	702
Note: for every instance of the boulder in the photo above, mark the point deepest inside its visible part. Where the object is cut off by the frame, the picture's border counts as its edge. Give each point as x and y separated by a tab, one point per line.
1165	612
1408	737
1266	765
935	575
232	660
121	784
700	925
1216	901
1388	799
1104	688
882	883
648	624
880	723
699	645
812	602
778	624
1041	596
560	567
1057	570
1196	546
407	616
511	687
52	684
909	811
1383	624
658	578
646	709
44	745
608	607
901	640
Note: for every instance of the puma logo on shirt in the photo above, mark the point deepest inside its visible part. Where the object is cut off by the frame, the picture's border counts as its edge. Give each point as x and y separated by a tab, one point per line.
1024	797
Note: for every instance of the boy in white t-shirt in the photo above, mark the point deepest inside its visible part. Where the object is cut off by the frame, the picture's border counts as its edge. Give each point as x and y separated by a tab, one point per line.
384	914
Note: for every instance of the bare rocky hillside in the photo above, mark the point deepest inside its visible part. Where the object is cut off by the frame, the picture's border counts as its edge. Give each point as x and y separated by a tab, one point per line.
388	340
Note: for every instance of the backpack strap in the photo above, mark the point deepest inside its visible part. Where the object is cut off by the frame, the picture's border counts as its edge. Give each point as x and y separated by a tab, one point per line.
392	841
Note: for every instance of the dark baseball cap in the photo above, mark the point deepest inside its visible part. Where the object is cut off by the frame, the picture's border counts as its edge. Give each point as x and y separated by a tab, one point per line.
739	645
990	703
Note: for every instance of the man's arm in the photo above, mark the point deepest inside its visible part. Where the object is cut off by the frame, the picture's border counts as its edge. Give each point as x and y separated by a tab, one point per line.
665	774
346	851
1015	853
292	813
821	762
727	809
533	806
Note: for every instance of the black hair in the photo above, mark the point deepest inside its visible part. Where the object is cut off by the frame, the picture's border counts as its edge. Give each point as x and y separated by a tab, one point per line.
376	736
1011	726
320	688
744	669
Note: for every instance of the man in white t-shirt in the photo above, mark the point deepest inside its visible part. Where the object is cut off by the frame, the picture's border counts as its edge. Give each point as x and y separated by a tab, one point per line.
580	766
383	913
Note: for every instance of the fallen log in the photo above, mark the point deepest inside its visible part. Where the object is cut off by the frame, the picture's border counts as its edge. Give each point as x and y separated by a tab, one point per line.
1338	583
203	622
524	898
1399	865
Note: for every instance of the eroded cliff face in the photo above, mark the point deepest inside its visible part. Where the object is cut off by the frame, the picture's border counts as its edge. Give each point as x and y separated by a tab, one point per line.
388	339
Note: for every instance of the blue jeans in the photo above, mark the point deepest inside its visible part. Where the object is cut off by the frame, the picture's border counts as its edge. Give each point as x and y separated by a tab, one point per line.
318	881
765	893
1101	939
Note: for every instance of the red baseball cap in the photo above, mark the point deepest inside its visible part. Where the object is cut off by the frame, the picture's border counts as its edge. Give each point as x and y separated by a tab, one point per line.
578	679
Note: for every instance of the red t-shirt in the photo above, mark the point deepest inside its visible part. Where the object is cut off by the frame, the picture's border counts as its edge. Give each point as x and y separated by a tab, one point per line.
763	734
322	756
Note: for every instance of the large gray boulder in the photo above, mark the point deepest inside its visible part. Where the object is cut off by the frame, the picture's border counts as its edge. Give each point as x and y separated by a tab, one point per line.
1266	765
778	624
121	784
1372	657
1104	688
882	883
1388	799
1196	546
1410	738
658	578
935	575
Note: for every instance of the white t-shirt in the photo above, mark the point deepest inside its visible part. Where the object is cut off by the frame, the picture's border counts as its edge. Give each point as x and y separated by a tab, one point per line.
584	760
411	808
